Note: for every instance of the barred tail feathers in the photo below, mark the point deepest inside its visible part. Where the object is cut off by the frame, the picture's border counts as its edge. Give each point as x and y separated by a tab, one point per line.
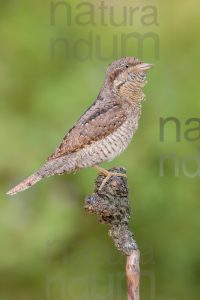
49	169
26	184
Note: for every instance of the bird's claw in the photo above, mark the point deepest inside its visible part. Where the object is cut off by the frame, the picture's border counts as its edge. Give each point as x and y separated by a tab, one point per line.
108	176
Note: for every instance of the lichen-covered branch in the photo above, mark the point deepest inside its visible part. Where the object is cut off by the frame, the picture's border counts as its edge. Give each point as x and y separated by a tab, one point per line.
111	204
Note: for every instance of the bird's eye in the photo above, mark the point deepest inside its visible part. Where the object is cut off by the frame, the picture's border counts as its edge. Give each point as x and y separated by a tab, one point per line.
126	66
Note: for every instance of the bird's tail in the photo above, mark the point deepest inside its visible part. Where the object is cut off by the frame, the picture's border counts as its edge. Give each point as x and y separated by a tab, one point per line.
55	166
50	168
26	184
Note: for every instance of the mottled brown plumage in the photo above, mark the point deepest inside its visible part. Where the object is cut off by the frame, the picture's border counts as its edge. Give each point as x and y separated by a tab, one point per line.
105	129
99	121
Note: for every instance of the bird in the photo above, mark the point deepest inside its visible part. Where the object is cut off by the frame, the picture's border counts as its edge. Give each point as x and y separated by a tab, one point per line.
105	129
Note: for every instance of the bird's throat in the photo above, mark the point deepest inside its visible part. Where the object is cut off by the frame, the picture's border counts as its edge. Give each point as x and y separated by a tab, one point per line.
131	92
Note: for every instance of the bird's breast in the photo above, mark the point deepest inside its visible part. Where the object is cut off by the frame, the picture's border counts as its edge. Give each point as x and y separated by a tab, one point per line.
118	141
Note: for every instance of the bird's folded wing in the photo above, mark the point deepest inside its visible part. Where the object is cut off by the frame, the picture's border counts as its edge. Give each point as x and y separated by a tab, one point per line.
95	124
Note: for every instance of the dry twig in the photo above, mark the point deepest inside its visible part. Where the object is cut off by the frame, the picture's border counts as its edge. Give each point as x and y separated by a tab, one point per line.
112	205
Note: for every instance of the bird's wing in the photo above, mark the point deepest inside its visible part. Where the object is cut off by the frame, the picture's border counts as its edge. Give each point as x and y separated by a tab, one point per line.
100	120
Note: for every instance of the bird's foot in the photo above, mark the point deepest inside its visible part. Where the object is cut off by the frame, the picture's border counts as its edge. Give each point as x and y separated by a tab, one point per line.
108	175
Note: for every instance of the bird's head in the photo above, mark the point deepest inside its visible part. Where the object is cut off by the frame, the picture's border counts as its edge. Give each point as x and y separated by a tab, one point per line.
129	73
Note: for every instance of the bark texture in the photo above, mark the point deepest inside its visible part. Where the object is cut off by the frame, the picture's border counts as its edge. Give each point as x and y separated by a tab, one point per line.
111	204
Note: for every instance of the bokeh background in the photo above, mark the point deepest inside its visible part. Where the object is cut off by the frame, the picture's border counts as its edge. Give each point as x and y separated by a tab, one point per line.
50	247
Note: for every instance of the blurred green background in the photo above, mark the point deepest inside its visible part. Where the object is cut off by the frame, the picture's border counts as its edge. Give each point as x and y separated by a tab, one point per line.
50	247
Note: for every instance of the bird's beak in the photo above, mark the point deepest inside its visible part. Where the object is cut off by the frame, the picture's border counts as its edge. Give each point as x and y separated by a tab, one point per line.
144	66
